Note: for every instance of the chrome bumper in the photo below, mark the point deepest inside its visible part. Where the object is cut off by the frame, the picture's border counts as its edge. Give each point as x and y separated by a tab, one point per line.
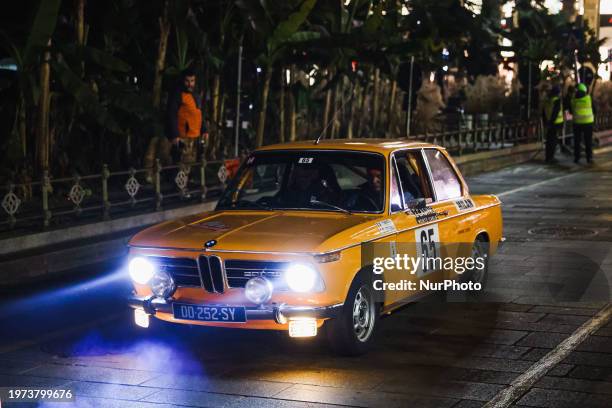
277	312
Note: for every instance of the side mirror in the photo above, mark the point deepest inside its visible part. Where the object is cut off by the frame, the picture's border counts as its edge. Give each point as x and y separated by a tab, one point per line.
417	204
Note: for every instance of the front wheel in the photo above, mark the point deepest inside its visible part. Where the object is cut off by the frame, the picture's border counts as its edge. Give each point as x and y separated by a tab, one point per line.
351	333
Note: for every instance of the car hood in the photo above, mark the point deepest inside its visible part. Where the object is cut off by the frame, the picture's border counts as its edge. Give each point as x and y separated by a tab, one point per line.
279	231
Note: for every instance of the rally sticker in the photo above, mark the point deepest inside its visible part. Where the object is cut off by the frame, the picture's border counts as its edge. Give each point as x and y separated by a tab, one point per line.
305	160
464	204
386	226
423	215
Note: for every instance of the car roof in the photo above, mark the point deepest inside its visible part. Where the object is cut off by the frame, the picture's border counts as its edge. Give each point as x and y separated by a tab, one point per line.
383	146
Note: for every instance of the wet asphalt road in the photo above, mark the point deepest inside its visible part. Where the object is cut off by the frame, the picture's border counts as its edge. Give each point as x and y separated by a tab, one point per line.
552	275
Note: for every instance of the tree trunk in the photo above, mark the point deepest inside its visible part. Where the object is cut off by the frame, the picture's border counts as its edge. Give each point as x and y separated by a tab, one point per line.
164	32
351	119
219	128
334	111
80	23
281	107
362	109
261	122
327	108
215	97
292	108
80	29
375	102
21	125
43	113
391	109
215	129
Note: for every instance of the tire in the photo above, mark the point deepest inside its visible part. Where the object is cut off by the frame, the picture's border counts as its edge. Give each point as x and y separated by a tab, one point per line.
480	249
351	333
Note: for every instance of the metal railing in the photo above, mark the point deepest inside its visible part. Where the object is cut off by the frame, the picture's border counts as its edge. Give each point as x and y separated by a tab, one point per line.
52	203
498	136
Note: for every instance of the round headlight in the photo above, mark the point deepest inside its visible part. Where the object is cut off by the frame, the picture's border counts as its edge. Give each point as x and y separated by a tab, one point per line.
258	290
162	284
141	270
301	278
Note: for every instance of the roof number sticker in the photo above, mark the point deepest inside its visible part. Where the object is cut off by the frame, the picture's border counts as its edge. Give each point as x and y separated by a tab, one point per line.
464	204
305	160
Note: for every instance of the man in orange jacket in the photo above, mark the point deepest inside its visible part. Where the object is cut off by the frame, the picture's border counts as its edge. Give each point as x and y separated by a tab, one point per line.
185	121
184	127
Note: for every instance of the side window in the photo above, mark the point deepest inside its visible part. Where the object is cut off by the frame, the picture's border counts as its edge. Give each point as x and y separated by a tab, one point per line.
445	180
413	176
396	200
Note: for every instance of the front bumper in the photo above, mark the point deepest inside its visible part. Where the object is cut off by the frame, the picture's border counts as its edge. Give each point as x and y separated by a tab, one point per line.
280	313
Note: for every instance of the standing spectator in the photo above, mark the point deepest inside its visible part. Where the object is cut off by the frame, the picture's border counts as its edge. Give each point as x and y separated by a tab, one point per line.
553	119
184	126
185	121
582	112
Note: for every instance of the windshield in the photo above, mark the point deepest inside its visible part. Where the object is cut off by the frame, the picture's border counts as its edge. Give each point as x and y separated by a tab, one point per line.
309	179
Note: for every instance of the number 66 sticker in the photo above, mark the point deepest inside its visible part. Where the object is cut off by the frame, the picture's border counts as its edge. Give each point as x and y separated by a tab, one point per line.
428	248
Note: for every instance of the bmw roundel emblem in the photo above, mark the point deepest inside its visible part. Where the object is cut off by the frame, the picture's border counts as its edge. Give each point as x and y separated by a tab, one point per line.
211	243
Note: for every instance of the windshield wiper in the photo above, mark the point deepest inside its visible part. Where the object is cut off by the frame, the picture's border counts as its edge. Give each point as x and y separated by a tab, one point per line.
328	205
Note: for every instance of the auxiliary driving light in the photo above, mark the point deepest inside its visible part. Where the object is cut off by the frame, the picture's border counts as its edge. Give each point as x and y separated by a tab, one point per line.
162	284
141	318
303	327
302	278
141	270
258	290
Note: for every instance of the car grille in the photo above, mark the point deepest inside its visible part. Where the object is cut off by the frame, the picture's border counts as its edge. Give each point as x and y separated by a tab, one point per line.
184	271
211	272
240	271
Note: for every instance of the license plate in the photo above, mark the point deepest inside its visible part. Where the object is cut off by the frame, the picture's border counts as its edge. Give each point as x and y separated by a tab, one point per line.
226	314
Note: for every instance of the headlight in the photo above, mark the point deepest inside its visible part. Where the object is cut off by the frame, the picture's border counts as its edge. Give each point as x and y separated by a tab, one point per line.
162	284
258	290
141	270
303	278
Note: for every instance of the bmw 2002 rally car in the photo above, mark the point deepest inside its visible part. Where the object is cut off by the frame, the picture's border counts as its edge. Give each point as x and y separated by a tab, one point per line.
283	248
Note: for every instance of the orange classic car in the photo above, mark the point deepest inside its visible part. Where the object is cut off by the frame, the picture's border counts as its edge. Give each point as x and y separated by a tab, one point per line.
284	249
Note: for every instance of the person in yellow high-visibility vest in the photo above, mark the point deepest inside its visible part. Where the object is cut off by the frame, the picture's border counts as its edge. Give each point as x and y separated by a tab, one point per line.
583	117
553	120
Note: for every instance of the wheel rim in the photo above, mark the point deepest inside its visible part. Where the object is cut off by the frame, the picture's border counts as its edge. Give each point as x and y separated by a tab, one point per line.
478	275
363	314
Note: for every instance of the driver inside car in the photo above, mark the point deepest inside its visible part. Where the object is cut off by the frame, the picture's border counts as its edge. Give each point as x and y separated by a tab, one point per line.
369	197
308	183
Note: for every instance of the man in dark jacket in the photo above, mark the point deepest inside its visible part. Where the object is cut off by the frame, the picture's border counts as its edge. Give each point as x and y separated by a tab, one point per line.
553	120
